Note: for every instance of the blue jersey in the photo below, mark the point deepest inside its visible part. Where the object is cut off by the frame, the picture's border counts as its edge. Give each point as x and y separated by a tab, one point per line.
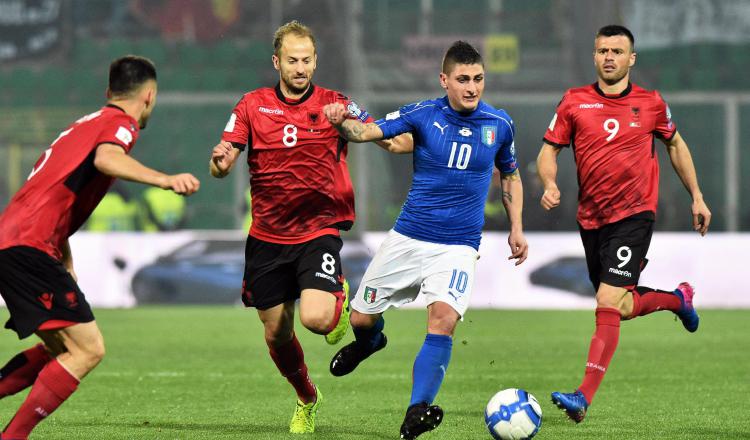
453	158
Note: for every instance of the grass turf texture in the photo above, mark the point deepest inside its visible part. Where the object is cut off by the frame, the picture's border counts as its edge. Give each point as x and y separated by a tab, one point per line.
204	373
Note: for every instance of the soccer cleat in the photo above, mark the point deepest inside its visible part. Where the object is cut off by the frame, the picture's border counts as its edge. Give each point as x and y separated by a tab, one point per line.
303	420
419	419
687	313
347	359
574	404
338	332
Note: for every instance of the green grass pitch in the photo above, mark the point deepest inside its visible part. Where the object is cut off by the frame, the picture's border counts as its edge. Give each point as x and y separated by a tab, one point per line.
204	373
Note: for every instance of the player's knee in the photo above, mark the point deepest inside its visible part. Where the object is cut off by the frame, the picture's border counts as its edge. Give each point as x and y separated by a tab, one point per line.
317	321
92	353
362	320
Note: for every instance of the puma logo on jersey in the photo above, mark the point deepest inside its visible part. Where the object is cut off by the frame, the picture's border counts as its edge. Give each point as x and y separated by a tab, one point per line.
442	129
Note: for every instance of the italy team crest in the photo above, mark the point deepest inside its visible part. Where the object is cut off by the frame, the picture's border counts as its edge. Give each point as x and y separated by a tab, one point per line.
489	135
370	293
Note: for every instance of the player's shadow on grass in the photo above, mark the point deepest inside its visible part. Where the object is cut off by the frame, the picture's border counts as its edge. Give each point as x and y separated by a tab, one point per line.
279	429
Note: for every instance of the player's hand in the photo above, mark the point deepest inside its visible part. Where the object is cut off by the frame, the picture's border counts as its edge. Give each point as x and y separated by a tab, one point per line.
222	156
184	184
335	113
519	248
550	198
701	216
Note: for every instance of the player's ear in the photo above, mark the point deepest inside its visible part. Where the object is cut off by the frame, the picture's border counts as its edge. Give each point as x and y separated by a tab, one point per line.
631	62
108	93
444	80
275	61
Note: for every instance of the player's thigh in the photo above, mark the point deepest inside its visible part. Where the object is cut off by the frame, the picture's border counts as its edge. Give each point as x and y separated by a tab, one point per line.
623	249
39	292
393	276
270	278
449	276
84	338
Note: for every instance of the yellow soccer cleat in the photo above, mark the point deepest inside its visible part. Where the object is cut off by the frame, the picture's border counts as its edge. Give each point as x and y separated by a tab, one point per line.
303	420
338	332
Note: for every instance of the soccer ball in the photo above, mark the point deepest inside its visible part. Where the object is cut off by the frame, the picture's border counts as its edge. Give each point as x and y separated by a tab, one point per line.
513	414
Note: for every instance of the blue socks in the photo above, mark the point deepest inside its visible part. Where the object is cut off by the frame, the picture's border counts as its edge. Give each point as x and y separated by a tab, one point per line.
429	368
370	337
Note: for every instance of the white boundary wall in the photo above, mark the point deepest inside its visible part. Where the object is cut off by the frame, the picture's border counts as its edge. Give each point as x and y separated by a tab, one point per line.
714	264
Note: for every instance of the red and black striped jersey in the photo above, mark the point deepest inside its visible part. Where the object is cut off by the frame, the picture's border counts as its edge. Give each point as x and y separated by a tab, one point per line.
613	141
299	179
64	186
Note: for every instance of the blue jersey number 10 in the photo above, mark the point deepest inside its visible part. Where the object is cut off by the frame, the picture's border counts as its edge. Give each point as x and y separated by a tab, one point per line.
464	154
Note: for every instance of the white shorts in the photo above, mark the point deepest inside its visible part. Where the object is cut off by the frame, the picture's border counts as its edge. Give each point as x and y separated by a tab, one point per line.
404	267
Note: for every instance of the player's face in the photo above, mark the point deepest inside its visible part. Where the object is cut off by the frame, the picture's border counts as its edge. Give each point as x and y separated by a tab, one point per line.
613	58
296	64
464	84
148	93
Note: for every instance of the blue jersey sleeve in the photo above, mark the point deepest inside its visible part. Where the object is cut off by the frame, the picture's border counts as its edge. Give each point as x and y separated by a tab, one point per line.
505	159
398	122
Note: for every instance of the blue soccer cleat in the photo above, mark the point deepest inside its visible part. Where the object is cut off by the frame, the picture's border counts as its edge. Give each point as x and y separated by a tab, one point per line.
687	313
574	404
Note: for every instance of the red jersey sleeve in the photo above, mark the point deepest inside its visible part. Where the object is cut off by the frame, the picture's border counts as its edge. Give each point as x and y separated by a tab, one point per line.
119	130
664	128
559	131
238	128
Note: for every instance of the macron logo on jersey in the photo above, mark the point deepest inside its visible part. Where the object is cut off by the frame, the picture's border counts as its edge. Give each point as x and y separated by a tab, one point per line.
595	105
124	135
271	111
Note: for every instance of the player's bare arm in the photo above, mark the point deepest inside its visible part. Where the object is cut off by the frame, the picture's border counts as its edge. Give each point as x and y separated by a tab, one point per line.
112	160
546	164
401	144
351	129
223	158
682	161
512	188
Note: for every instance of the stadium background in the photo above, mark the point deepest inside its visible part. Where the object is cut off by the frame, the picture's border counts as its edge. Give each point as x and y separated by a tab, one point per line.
384	54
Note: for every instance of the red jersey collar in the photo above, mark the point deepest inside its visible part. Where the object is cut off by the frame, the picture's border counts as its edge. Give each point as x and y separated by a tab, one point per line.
622	94
116	107
284	99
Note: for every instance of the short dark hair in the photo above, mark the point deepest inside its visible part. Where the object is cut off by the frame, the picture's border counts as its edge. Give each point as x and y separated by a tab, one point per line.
612	30
128	73
460	52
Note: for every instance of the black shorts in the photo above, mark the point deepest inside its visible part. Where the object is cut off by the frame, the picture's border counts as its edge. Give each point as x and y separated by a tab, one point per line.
277	273
37	289
616	253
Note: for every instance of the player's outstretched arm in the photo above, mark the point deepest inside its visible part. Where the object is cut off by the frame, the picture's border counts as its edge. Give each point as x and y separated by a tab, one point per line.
546	165
513	202
223	157
112	160
351	129
401	144
682	161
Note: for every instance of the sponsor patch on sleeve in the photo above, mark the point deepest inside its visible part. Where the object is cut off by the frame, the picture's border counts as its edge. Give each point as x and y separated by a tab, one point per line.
230	124
393	115
124	135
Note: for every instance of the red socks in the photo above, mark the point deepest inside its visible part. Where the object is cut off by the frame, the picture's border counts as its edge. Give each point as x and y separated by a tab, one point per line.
21	371
337	311
290	360
51	388
647	300
601	350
